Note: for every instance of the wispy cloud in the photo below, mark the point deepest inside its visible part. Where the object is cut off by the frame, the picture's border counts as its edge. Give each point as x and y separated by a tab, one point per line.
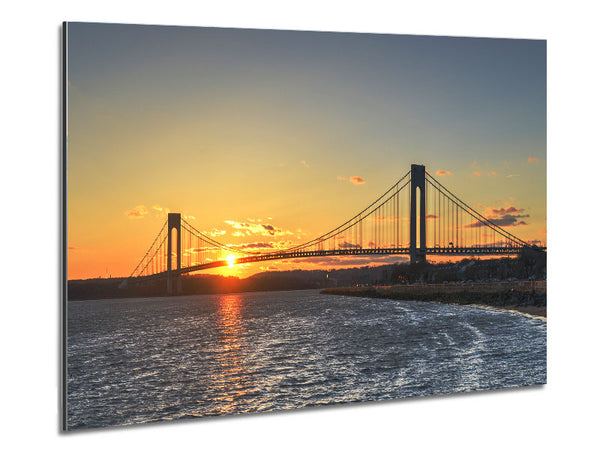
202	249
253	228
254	245
479	172
356	180
507	220
215	232
161	210
353	180
509	216
304	163
512	175
532	160
443	172
277	245
508	210
137	213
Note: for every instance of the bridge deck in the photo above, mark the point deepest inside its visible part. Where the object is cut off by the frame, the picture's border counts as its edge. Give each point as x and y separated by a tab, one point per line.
343	252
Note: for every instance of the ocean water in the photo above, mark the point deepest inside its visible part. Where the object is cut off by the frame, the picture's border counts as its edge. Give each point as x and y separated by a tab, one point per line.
146	360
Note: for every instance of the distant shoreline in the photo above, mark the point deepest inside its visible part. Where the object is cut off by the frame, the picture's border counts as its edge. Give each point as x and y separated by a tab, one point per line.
526	297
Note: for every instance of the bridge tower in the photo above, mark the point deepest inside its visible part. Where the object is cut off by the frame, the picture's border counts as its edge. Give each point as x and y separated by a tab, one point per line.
417	180
173	222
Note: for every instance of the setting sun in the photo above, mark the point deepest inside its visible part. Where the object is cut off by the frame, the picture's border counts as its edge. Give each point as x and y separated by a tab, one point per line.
230	260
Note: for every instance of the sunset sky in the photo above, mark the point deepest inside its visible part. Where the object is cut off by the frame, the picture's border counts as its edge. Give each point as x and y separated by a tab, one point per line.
298	130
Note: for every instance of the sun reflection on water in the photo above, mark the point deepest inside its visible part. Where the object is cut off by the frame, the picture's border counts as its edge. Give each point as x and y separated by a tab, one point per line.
232	376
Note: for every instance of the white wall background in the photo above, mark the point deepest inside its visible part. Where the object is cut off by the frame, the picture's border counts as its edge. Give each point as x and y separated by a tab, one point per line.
563	413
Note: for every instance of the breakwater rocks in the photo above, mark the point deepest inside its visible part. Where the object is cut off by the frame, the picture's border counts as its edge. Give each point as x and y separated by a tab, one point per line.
524	296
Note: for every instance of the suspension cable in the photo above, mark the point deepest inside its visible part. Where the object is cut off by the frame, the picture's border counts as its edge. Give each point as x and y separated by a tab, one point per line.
208	240
149	249
154	254
359	215
474	213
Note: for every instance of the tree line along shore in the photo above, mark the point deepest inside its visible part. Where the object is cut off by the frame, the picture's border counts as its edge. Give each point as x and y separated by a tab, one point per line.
523	296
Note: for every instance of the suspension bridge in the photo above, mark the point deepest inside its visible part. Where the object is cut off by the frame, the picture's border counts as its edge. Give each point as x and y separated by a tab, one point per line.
417	216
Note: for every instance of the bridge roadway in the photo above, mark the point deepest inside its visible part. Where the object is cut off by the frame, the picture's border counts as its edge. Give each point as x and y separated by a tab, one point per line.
341	252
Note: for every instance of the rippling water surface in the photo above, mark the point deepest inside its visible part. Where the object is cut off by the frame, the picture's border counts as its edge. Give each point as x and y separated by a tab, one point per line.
144	360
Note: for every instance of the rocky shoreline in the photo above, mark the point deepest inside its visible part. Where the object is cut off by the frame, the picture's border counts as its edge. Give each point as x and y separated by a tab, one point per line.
527	297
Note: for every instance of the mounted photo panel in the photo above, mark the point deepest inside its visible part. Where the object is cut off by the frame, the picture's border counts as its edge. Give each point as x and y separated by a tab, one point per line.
265	220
